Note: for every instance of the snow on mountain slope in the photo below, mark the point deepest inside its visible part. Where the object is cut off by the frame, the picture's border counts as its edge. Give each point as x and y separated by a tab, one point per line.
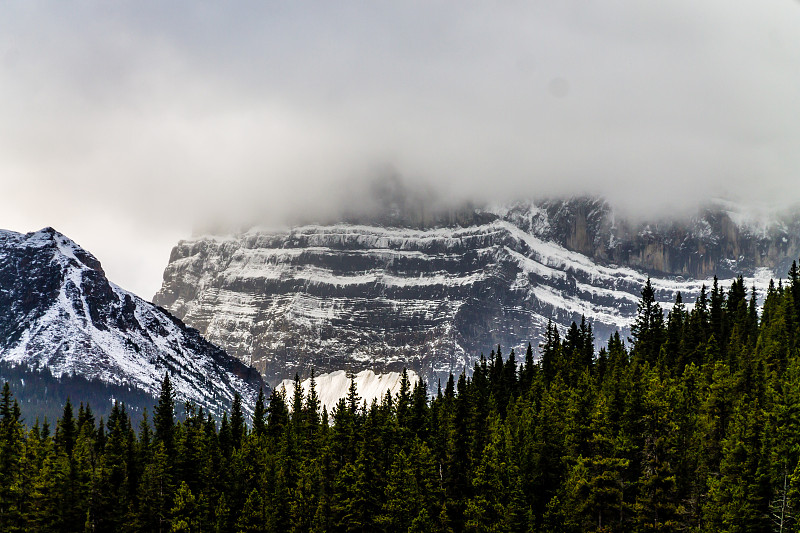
58	311
334	386
359	296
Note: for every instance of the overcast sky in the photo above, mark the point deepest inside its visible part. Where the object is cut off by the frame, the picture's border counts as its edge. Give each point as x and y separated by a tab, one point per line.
126	125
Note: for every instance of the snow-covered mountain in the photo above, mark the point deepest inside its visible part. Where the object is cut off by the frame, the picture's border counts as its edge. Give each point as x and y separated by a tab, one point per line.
432	296
61	317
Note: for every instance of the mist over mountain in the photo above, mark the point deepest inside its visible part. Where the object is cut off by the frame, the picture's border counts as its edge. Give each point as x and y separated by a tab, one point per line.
144	122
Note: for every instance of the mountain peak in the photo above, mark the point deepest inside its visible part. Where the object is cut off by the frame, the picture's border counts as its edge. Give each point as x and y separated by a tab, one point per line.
50	244
59	312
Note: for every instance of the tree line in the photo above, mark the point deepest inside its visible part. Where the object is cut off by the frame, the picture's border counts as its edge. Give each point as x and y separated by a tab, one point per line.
689	425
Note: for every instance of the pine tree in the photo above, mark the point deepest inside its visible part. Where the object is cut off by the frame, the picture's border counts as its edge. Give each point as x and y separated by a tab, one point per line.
164	417
794	286
277	414
419	421
259	415
594	489
11	456
551	353
457	464
184	512
225	437
485	509
528	370
222	516
312	403
253	517
402	498
717	316
509	382
737	495
670	355
658	502
715	413
782	436
238	428
403	406
65	430
155	492
109	505
648	329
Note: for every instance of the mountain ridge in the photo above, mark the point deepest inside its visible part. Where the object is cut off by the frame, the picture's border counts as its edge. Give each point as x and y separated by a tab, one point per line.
58	311
356	296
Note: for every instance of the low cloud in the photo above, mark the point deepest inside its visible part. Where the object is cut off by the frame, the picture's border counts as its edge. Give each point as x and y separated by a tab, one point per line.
128	127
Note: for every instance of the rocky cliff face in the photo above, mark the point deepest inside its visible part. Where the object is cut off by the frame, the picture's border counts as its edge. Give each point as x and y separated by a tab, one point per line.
723	239
59	314
358	296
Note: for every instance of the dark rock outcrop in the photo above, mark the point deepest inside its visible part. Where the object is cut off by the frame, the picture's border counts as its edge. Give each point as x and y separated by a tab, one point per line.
722	239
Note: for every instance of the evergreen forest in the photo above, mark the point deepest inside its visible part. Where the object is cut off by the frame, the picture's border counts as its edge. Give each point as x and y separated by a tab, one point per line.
691	424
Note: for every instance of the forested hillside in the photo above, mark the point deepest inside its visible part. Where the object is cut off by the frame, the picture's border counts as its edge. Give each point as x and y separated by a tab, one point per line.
691	425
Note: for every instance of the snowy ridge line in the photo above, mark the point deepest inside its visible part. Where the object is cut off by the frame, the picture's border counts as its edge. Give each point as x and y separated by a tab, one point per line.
377	237
576	307
335	302
322	276
531	266
266	255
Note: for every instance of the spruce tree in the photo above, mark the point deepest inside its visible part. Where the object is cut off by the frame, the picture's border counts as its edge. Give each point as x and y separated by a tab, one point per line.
401	496
65	430
311	409
403	404
238	428
551	353
658	500
11	455
648	328
184	512
277	414
164	417
259	415
352	396
528	369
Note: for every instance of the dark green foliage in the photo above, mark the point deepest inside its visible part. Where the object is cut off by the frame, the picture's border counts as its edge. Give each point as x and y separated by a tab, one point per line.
695	426
648	330
259	415
164	416
42	395
237	422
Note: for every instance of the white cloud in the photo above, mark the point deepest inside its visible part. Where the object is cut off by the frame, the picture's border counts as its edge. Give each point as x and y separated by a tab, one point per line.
126	125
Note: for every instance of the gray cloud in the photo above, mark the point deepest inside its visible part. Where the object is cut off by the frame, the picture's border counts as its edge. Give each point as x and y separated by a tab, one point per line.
126	126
